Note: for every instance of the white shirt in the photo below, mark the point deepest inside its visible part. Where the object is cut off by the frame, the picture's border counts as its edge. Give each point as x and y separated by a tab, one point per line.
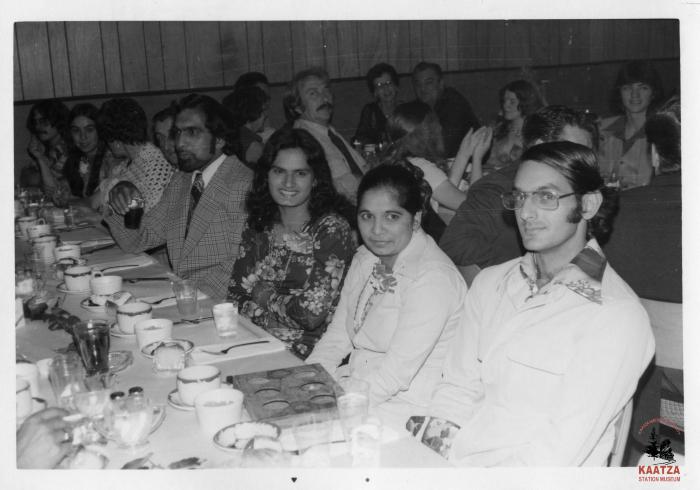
209	170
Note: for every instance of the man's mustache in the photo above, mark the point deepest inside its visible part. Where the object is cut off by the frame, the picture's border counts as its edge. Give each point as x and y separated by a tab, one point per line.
325	105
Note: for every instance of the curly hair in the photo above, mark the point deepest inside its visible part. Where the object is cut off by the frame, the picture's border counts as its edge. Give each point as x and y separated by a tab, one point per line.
663	130
579	166
263	211
122	119
218	120
548	123
55	112
415	131
638	71
246	104
291	101
403	179
250	79
377	71
529	100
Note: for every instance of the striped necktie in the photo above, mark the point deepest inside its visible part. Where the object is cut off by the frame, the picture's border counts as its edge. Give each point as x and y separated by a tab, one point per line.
337	141
195	194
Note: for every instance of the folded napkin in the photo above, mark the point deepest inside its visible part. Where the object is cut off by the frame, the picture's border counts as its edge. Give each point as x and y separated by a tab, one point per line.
126	261
200	357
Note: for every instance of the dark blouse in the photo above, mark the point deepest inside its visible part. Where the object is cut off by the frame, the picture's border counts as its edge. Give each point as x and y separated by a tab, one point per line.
372	126
291	289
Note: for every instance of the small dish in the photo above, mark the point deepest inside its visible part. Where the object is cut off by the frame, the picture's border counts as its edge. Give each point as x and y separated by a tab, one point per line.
175	402
88	305
62	288
119	360
235	437
115	332
149	350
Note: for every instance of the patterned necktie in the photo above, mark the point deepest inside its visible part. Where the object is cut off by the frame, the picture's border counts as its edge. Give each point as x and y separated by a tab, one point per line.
195	193
354	168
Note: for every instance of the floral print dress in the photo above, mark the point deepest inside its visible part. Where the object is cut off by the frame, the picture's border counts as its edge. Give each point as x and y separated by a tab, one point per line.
291	288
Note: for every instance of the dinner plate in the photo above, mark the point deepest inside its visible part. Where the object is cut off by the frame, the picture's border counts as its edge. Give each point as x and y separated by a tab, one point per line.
115	332
236	436
87	304
175	402
148	350
62	288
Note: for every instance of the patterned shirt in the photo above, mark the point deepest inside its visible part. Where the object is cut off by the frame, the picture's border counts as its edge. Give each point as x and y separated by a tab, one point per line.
291	288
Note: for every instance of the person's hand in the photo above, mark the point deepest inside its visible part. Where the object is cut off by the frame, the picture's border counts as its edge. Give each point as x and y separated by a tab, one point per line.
466	147
121	195
43	440
36	147
482	142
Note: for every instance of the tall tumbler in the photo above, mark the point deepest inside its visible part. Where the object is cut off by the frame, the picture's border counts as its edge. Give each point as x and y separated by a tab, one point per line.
92	341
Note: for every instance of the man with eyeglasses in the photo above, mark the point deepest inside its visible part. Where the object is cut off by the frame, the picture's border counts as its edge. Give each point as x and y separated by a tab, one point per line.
201	214
553	343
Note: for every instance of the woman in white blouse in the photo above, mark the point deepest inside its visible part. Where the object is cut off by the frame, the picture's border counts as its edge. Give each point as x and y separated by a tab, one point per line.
401	300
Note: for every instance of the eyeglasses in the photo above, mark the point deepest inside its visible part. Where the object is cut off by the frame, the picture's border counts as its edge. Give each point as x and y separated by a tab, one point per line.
383	84
548	200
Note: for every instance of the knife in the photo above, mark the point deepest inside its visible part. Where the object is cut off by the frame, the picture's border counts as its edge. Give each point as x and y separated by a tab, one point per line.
194	321
101	247
138	279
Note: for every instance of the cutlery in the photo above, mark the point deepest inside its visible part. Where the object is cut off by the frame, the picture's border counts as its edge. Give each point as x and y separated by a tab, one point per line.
122	266
139	279
101	247
225	351
194	321
158	301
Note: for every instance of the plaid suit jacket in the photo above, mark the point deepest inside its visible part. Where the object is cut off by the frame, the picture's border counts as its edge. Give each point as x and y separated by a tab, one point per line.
210	248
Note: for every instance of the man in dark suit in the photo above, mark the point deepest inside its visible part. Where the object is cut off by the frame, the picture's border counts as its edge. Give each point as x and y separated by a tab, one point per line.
201	215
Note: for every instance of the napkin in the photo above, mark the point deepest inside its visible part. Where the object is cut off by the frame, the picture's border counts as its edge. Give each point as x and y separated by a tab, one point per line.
124	262
200	357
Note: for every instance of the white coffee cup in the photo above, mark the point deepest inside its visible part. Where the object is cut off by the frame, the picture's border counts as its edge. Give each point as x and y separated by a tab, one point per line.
105	285
218	408
152	330
25	222
24	401
55	216
44	247
67	252
29	372
194	380
77	278
129	314
38	230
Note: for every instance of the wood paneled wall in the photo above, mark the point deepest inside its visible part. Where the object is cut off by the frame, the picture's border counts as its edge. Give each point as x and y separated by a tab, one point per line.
71	59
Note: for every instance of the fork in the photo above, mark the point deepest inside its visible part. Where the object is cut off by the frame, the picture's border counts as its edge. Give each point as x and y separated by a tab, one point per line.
159	301
225	351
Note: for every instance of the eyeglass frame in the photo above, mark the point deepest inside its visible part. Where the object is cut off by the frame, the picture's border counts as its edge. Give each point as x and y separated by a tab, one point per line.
527	195
383	84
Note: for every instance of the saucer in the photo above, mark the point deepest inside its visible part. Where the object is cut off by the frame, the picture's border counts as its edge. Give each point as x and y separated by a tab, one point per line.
148	350
119	360
175	402
115	332
87	304
62	288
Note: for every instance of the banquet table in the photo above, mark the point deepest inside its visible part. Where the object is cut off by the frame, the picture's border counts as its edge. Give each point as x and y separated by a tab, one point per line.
179	436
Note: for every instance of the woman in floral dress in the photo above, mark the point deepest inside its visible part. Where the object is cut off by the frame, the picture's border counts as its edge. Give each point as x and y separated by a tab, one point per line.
297	245
401	302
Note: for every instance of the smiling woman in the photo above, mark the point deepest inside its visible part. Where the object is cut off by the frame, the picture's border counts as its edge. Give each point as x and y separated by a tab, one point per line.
297	245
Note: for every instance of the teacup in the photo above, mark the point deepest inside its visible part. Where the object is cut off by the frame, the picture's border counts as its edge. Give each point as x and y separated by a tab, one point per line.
44	248
23	398
77	278
194	380
152	330
129	314
61	265
25	222
38	230
67	251
105	285
218	408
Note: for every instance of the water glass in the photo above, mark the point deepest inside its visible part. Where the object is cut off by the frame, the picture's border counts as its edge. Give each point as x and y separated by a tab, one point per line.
131	420
185	291
352	399
66	376
312	433
92	341
365	443
225	318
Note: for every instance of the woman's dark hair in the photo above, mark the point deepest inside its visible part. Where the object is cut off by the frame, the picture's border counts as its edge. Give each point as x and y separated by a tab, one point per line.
55	112
124	120
579	166
250	79
415	131
263	211
72	168
638	71
246	104
663	130
377	71
529	101
401	178
217	119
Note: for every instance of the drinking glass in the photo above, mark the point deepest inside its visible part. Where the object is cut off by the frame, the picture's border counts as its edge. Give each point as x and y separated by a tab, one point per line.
92	406
365	442
66	375
131	420
185	291
352	399
312	433
225	319
92	341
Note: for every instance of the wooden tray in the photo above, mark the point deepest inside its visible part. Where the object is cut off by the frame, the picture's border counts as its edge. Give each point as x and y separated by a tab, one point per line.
280	395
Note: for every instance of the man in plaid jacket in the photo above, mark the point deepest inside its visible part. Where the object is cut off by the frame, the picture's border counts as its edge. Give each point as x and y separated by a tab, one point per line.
202	212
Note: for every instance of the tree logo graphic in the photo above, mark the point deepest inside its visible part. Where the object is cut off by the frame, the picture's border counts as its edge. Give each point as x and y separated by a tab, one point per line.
661	451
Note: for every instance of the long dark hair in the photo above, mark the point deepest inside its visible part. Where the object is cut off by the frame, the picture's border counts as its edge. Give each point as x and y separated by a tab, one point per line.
415	131
263	211
638	71
529	101
72	168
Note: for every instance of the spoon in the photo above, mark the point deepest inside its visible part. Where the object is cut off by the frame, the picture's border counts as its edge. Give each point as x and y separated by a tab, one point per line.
225	351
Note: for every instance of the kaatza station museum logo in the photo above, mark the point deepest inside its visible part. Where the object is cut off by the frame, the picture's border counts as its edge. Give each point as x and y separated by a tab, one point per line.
659	467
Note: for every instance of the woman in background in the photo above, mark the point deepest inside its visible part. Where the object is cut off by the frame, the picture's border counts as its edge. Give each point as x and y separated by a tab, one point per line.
297	245
383	83
401	302
249	107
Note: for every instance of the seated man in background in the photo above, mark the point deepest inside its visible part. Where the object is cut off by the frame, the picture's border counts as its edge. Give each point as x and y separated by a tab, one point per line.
308	104
248	107
553	343
645	248
259	80
162	137
482	233
202	213
452	108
